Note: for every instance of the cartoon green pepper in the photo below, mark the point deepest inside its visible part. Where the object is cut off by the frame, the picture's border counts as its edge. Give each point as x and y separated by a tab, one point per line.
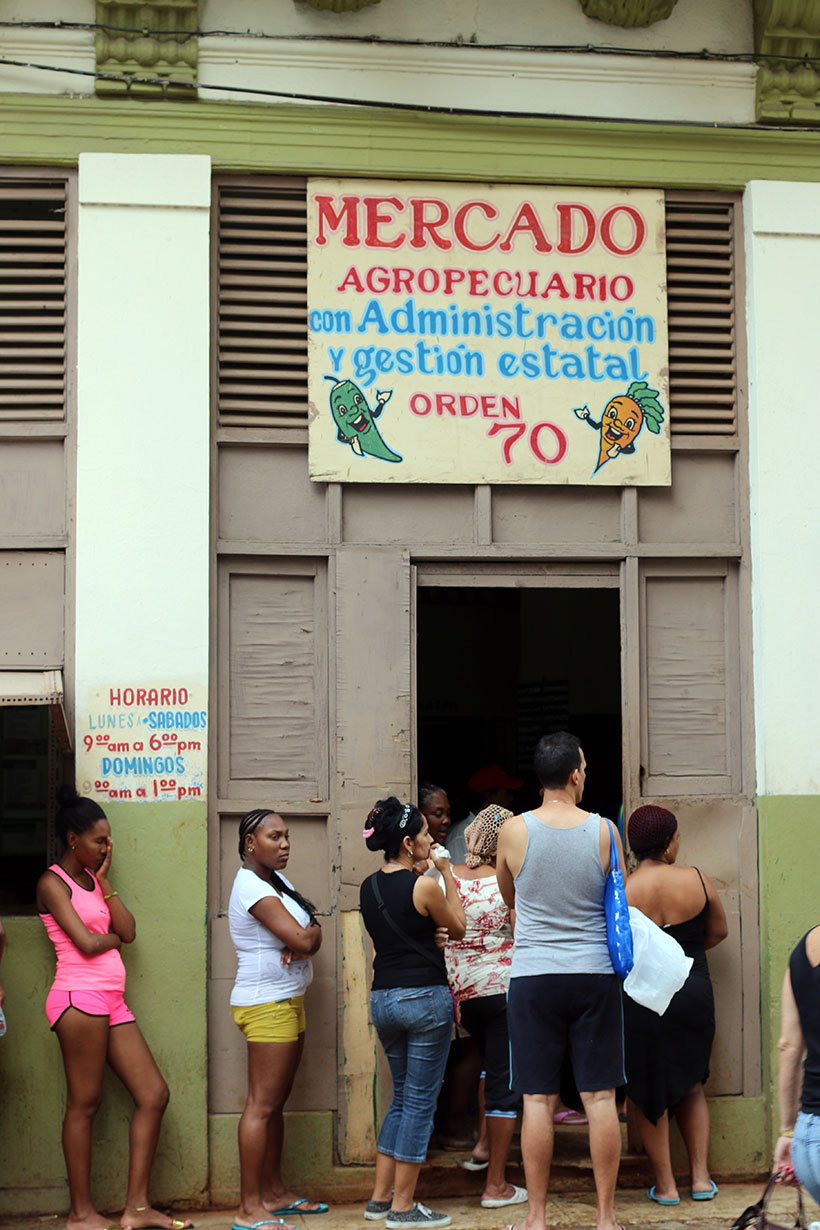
355	421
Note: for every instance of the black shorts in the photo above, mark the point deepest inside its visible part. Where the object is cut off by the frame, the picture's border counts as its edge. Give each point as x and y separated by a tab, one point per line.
550	1013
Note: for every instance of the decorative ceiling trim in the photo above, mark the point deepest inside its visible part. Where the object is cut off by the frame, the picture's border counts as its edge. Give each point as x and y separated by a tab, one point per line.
628	13
150	43
787	34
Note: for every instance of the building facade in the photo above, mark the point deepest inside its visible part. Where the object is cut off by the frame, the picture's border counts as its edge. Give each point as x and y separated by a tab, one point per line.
195	625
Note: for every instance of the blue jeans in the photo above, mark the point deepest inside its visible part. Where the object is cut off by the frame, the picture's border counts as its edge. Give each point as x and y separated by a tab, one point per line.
806	1153
414	1025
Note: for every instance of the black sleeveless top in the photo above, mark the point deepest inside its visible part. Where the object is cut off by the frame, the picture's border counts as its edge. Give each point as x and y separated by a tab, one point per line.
806	987
397	963
691	932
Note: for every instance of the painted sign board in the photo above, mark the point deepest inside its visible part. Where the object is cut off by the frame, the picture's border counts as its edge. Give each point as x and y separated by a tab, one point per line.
143	742
463	333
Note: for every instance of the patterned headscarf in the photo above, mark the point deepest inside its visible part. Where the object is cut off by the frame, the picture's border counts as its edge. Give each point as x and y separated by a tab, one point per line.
650	828
482	835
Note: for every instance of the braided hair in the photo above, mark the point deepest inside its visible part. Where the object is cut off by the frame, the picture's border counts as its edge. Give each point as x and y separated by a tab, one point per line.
249	824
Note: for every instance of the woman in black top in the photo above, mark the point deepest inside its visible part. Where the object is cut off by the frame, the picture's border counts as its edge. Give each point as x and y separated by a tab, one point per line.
667	1057
798	1146
410	1002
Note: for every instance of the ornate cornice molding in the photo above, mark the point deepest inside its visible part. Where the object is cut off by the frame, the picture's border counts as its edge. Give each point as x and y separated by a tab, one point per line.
339	6
151	42
628	13
787	34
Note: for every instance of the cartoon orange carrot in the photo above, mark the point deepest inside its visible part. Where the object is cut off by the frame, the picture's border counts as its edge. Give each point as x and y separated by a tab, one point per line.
622	420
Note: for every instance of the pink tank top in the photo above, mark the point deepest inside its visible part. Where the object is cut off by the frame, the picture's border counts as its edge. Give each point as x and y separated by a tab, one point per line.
75	970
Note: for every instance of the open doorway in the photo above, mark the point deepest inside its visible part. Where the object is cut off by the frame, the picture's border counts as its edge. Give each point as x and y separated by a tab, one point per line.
498	667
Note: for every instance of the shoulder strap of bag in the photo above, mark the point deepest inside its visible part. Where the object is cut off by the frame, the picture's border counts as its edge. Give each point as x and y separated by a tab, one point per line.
614	862
391	922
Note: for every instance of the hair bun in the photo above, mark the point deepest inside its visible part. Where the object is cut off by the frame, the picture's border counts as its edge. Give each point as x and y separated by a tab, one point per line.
67	795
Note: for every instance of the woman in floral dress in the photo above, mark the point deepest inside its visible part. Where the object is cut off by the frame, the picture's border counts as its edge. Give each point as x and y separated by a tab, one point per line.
478	967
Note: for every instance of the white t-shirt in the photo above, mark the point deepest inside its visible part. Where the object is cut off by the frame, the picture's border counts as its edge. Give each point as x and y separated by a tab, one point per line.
261	978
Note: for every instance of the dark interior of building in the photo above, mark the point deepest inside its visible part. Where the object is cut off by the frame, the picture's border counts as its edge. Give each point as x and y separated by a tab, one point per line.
499	667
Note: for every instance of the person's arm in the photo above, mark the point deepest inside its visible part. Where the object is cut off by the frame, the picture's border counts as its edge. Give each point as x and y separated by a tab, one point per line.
790	1050
302	941
53	898
503	872
122	920
445	910
717	927
604	848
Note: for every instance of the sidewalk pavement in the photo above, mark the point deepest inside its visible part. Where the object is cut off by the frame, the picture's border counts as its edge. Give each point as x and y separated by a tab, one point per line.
567	1211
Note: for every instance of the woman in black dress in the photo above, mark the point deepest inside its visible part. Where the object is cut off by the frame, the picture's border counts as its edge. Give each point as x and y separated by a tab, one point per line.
667	1057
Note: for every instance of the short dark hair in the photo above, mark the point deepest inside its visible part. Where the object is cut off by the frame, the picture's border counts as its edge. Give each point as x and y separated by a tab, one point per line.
76	814
556	757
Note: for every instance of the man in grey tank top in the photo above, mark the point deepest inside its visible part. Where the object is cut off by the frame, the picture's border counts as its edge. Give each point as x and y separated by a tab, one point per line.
552	864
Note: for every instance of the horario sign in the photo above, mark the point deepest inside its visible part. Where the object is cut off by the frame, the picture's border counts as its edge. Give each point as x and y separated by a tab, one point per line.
492	334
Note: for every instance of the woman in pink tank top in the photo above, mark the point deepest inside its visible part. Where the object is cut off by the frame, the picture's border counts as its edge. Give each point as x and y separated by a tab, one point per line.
87	922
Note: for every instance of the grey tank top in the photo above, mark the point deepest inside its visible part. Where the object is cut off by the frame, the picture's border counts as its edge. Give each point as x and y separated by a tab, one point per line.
559	902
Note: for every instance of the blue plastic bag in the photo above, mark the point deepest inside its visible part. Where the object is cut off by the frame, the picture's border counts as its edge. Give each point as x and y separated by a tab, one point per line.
616	912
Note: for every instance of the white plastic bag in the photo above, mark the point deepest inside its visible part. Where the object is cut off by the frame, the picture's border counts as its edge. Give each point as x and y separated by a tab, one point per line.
660	967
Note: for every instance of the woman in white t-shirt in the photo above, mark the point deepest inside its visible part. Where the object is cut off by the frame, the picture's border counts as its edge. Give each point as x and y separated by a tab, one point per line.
275	933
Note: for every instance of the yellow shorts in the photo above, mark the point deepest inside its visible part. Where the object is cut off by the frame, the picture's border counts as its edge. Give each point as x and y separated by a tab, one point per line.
280	1021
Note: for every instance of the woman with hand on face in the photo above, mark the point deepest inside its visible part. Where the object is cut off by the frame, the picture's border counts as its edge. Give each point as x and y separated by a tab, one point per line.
87	922
410	1002
275	933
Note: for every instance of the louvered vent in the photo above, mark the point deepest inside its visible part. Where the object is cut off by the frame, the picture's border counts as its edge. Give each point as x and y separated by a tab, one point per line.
32	299
262	305
700	264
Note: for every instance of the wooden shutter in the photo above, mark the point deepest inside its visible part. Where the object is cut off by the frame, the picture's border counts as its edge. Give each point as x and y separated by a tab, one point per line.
273	679
261	303
690	703
33	271
702	305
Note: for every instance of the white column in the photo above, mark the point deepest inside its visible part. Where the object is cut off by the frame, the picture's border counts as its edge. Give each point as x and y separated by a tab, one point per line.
783	274
142	582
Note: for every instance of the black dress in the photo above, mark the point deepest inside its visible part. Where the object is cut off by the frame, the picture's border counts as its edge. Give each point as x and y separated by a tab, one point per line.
667	1055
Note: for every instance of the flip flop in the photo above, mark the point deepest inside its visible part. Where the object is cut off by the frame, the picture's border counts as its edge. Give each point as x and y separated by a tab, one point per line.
570	1118
707	1195
475	1163
294	1207
661	1199
270	1221
519	1196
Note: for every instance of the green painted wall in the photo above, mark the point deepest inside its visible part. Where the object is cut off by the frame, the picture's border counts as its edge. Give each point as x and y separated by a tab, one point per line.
160	868
789	852
366	141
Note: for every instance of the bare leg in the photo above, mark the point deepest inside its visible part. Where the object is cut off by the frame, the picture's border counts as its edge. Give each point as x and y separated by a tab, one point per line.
605	1150
655	1137
499	1134
692	1114
406	1177
275	1195
536	1147
385	1178
83	1040
481	1148
132	1061
271	1068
